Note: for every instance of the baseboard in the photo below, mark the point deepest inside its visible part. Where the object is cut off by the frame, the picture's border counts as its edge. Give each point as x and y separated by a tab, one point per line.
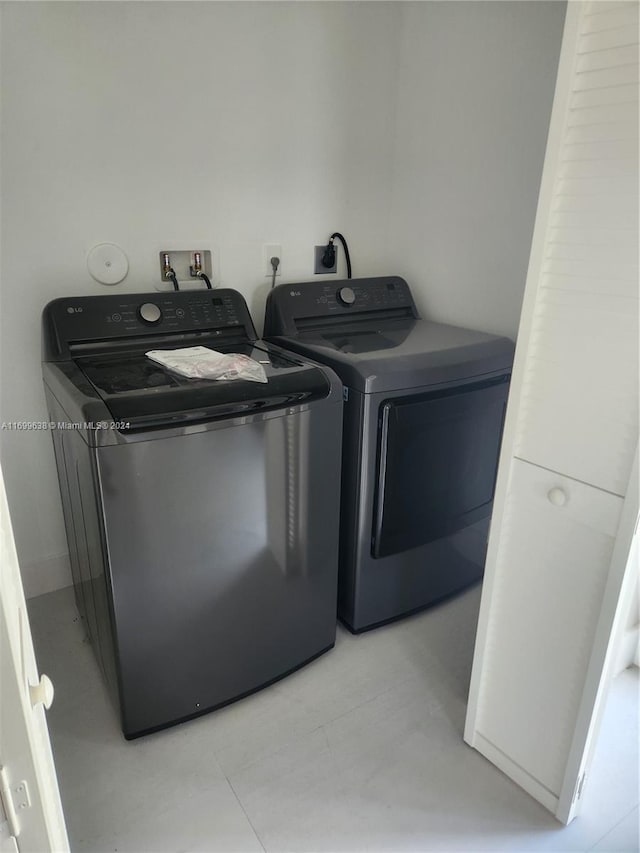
46	575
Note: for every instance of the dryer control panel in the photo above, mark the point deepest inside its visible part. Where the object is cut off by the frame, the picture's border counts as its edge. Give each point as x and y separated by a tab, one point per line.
293	307
75	320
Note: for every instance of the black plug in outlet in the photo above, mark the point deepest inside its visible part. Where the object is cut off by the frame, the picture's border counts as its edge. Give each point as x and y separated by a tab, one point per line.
321	258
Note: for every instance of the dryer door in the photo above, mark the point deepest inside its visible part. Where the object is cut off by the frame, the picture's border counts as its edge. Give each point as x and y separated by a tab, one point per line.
437	461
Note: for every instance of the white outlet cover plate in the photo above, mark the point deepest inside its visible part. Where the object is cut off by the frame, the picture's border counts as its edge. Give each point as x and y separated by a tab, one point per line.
271	250
107	263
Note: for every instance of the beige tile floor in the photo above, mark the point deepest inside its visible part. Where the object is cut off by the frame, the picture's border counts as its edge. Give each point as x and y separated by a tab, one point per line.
360	751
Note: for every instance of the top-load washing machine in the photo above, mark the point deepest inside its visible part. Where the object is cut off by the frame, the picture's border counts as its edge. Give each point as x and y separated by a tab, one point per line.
424	407
201	514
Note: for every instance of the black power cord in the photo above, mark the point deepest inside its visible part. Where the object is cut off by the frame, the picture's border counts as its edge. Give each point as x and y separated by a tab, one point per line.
170	274
329	255
275	263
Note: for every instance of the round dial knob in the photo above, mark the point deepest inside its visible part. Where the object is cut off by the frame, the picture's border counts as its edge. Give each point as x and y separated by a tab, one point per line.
150	313
346	296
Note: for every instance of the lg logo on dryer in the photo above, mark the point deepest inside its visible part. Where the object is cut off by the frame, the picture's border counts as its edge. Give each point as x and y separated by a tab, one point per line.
295	293
71	310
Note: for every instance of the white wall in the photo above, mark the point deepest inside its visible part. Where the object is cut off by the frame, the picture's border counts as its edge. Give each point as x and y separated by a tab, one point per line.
475	90
175	124
416	129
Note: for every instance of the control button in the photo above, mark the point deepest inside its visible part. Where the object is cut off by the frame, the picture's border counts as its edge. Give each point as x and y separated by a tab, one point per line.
179	312
116	318
149	313
346	296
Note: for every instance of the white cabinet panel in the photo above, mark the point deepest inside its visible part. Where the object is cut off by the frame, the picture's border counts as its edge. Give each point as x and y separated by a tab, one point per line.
579	400
550	574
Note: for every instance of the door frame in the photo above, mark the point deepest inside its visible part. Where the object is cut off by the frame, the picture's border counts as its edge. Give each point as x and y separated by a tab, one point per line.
601	669
27	756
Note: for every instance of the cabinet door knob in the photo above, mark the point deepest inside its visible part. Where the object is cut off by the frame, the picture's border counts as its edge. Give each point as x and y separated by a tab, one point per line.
557	496
42	692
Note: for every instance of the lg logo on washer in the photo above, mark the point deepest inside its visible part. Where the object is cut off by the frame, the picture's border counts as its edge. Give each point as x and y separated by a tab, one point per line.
71	310
295	293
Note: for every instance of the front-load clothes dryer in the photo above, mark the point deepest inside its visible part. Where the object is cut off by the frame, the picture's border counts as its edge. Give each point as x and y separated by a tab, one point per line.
201	515
423	417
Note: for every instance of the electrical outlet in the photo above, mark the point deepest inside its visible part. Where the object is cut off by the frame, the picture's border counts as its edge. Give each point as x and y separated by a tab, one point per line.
318	267
271	250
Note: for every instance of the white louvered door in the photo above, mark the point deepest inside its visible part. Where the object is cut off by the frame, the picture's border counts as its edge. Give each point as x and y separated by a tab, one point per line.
565	506
584	329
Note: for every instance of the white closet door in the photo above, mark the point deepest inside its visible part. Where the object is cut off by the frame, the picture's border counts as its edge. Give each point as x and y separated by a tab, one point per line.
557	534
579	395
557	567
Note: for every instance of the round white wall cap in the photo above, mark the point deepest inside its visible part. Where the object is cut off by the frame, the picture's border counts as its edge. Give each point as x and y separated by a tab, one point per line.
107	263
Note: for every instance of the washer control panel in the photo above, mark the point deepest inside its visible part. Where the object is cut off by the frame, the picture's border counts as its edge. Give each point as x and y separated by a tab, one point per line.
96	318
